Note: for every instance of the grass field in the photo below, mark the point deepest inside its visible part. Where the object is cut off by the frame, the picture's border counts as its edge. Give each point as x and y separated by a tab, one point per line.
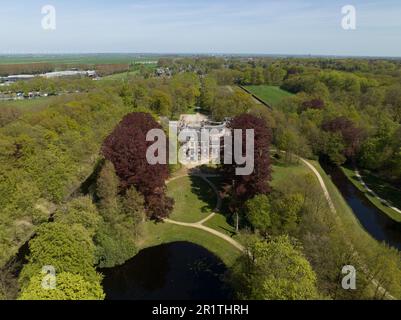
283	172
383	190
134	70
270	94
101	58
120	76
194	199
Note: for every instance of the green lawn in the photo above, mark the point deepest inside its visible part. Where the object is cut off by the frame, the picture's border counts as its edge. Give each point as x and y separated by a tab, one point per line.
285	172
194	199
220	223
270	94
382	188
160	233
120	76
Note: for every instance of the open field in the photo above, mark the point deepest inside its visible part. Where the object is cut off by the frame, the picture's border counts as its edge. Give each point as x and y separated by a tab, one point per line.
120	76
285	172
382	188
76	58
194	199
270	94
134	70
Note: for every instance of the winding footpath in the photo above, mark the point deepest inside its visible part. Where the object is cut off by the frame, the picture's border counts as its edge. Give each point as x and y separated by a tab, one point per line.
200	224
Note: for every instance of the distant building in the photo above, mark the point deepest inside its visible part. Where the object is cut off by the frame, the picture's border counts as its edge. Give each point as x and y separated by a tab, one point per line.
163	72
18	77
57	74
70	73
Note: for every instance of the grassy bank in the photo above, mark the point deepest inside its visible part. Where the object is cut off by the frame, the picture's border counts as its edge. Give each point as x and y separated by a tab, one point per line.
383	189
156	234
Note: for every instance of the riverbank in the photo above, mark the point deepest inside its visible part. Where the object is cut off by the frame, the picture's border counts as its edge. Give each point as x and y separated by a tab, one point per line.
381	205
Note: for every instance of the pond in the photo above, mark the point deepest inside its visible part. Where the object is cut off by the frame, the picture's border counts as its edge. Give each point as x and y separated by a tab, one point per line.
374	221
174	271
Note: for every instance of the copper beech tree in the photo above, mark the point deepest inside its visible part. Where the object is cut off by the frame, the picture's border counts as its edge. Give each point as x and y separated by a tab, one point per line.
126	148
247	186
350	133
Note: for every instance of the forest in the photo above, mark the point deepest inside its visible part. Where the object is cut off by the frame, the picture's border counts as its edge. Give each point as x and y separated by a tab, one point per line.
344	111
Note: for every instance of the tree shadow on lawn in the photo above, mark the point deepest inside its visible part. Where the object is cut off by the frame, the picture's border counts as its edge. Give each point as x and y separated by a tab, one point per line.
204	192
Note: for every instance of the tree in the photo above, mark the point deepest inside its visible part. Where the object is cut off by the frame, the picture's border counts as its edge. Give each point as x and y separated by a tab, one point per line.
275	270
208	93
69	248
258	211
68	287
286	212
350	134
133	206
393	99
115	243
228	104
107	188
126	148
81	211
247	186
161	102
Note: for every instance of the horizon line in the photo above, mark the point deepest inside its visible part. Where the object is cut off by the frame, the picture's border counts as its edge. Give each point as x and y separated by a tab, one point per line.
311	55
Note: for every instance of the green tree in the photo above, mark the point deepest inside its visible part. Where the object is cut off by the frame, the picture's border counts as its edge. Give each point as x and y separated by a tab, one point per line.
133	205
161	102
286	212
68	287
69	248
275	270
208	93
258	210
107	190
81	211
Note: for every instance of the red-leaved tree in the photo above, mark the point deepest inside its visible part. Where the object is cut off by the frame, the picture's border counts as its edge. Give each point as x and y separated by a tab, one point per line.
126	148
246	187
351	134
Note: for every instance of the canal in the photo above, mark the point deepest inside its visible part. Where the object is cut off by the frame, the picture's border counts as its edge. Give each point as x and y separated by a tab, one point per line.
373	220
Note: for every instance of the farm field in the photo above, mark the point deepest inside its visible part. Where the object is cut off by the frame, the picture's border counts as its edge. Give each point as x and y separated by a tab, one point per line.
135	70
270	94
75	58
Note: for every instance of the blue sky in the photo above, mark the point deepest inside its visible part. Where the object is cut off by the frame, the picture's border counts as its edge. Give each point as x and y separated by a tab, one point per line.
202	26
